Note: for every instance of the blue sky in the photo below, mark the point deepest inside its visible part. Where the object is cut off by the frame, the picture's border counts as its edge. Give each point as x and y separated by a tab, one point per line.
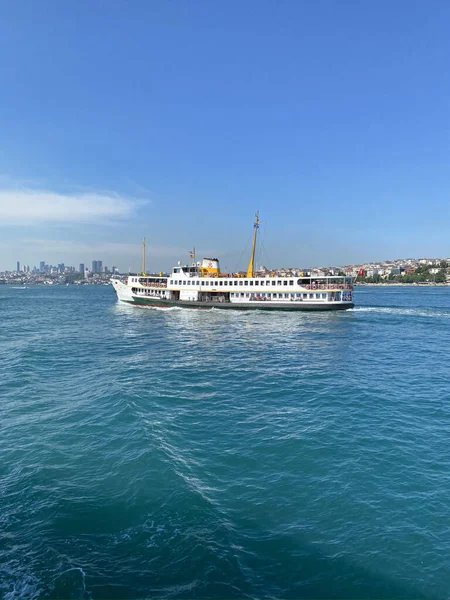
179	119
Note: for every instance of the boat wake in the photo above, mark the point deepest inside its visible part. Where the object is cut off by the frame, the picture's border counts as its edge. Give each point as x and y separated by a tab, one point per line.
174	308
410	312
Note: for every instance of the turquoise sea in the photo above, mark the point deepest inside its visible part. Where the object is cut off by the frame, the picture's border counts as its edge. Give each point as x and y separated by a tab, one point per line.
184	454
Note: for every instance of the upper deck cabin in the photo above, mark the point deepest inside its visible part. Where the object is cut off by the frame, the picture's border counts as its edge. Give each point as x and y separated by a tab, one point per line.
211	276
194	277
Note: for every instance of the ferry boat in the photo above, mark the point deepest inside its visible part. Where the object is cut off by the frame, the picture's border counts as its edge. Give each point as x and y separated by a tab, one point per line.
201	285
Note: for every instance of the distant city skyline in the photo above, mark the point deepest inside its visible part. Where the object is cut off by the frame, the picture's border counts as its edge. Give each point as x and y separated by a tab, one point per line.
97	267
177	121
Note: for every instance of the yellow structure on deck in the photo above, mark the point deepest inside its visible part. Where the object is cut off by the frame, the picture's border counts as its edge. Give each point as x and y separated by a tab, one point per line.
210	267
144	247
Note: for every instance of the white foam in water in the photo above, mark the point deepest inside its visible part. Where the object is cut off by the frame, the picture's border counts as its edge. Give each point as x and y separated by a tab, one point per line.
413	312
176	308
71	583
26	588
169	308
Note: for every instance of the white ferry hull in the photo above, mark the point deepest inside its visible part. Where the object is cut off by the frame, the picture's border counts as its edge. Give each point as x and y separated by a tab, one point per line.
124	295
123	291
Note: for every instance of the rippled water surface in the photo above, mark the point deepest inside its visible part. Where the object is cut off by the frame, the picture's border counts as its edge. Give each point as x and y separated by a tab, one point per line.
149	453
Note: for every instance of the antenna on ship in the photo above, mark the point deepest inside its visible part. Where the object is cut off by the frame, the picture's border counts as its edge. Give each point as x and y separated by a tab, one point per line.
251	264
144	246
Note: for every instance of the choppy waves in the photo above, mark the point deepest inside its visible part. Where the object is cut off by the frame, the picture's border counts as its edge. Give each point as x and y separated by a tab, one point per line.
223	455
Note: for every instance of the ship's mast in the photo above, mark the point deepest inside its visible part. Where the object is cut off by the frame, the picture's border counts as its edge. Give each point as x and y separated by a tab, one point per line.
192	256
251	264
144	246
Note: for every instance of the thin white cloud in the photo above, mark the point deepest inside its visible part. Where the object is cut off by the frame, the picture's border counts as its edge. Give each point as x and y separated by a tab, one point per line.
19	206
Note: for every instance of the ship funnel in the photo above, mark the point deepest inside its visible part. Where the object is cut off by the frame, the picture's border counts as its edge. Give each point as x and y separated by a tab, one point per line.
210	266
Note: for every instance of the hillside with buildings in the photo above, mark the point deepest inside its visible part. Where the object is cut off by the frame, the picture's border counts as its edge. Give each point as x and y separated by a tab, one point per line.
401	270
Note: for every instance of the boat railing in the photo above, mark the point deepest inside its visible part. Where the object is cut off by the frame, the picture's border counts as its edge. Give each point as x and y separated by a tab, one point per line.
157	285
327	286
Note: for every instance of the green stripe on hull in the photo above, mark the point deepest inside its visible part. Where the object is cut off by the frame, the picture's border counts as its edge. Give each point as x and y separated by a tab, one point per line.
300	306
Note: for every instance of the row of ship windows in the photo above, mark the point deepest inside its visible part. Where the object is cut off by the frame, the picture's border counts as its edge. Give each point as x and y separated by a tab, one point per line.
143	280
148	292
221	282
274	295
